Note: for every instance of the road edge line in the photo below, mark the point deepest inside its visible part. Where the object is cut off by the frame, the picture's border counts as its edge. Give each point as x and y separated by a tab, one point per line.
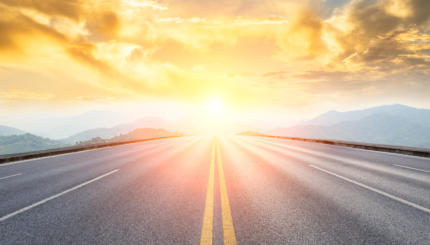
417	169
383	193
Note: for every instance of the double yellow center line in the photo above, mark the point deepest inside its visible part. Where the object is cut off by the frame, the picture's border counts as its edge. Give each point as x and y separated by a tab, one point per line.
227	220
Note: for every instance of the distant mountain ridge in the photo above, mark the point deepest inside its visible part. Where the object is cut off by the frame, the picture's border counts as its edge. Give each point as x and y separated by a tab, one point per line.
137	134
60	127
107	133
13	140
29	142
421	116
25	143
392	125
7	131
145	133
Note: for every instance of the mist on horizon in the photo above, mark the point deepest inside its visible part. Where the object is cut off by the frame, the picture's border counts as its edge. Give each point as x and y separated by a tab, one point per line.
208	68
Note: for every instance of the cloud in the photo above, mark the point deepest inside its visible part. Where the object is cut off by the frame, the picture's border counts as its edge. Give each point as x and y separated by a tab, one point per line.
376	33
145	4
83	52
9	95
67	8
15	27
275	74
322	75
303	39
104	25
145	48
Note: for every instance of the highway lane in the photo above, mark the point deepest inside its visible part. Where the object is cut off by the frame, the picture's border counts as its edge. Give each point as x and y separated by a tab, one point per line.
293	203
197	190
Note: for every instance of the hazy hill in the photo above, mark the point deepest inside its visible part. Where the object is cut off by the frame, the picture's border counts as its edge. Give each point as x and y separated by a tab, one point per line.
60	127
107	133
7	131
420	116
26	142
137	134
29	142
395	125
104	133
145	133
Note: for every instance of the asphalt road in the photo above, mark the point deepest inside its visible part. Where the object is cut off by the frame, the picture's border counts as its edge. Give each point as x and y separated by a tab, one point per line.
191	190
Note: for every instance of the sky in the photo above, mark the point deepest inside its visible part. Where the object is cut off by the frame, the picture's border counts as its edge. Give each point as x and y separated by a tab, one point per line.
268	62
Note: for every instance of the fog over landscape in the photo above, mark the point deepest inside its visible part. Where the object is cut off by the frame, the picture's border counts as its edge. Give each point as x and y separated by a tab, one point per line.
391	124
109	62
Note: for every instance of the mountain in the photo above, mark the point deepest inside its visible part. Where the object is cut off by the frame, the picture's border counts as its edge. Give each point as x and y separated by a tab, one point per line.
421	116
29	142
60	127
26	142
107	133
392	125
145	133
137	134
104	133
7	131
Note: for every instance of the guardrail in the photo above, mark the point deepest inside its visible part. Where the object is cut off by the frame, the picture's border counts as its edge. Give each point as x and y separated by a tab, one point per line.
414	151
57	151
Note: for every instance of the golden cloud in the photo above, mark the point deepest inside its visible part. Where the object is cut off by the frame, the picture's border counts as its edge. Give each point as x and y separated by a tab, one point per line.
188	49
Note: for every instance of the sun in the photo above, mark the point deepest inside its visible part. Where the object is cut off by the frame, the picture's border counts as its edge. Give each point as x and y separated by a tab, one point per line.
214	117
215	105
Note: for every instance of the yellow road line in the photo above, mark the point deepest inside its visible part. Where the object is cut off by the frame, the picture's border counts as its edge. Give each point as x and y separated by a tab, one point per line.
227	220
207	226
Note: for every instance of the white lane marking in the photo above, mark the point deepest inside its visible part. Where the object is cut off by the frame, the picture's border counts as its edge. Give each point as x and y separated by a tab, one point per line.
355	149
55	196
10	176
411	204
417	169
363	163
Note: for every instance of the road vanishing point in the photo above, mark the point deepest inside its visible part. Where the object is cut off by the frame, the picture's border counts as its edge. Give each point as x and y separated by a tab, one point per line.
224	190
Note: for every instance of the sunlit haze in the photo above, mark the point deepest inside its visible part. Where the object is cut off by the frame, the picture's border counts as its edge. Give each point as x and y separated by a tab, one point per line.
215	122
258	64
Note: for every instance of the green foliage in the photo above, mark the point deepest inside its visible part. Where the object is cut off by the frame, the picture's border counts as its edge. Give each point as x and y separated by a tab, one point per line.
25	143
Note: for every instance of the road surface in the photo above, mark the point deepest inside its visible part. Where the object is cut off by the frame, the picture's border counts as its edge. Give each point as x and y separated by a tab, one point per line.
196	190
